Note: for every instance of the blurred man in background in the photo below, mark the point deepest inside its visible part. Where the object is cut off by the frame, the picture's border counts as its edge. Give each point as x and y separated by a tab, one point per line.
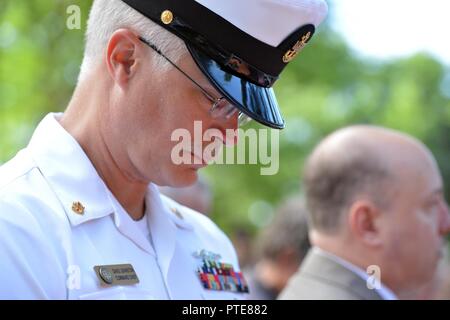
378	217
281	247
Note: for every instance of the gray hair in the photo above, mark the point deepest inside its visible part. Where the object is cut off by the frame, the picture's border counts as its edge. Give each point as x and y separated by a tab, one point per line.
107	16
288	230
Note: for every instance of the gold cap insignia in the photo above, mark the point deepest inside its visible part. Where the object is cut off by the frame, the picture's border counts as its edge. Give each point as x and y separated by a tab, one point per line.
166	16
78	208
298	46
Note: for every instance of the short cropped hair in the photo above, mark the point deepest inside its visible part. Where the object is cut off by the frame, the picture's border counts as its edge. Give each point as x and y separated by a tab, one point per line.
107	16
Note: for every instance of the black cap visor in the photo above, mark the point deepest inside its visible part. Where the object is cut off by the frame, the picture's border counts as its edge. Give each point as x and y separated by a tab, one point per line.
259	103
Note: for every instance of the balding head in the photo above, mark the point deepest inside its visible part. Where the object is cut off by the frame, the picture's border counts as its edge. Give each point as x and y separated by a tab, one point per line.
375	197
358	162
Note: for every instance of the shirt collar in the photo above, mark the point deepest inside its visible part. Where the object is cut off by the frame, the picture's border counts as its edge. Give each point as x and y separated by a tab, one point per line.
73	178
172	209
384	292
69	172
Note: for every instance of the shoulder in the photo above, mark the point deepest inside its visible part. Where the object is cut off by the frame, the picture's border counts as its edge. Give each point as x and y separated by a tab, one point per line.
27	250
322	277
194	219
308	287
28	246
15	169
15	190
205	229
27	204
26	198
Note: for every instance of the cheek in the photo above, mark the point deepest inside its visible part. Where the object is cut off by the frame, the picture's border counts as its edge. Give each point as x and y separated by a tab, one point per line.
421	230
405	232
417	243
428	226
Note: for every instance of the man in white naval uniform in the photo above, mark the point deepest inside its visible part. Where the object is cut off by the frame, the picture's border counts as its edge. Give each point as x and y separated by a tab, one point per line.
80	215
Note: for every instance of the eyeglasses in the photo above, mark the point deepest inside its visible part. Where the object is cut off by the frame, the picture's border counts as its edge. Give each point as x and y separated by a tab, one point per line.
221	108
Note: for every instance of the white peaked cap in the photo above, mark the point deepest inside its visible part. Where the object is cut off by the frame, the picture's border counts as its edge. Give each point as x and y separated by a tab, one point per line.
241	46
270	21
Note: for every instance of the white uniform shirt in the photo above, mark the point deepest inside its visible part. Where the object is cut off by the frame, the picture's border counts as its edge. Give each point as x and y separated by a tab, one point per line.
48	251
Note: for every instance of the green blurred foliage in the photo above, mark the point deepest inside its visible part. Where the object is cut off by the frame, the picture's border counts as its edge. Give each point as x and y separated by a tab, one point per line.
325	88
39	63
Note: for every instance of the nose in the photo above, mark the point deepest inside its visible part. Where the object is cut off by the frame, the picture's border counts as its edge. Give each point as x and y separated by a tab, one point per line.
445	218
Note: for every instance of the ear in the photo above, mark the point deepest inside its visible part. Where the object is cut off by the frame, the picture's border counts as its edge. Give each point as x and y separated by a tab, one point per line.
122	55
364	223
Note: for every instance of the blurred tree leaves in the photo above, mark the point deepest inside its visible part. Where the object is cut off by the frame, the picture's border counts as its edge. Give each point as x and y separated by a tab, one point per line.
39	63
325	88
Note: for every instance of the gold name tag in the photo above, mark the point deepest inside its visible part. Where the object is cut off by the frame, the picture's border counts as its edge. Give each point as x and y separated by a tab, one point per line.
116	275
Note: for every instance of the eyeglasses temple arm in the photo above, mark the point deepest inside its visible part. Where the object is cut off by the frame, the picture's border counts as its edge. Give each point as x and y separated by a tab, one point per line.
176	67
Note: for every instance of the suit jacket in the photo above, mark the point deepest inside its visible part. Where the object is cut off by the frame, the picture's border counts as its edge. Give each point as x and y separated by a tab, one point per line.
321	278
